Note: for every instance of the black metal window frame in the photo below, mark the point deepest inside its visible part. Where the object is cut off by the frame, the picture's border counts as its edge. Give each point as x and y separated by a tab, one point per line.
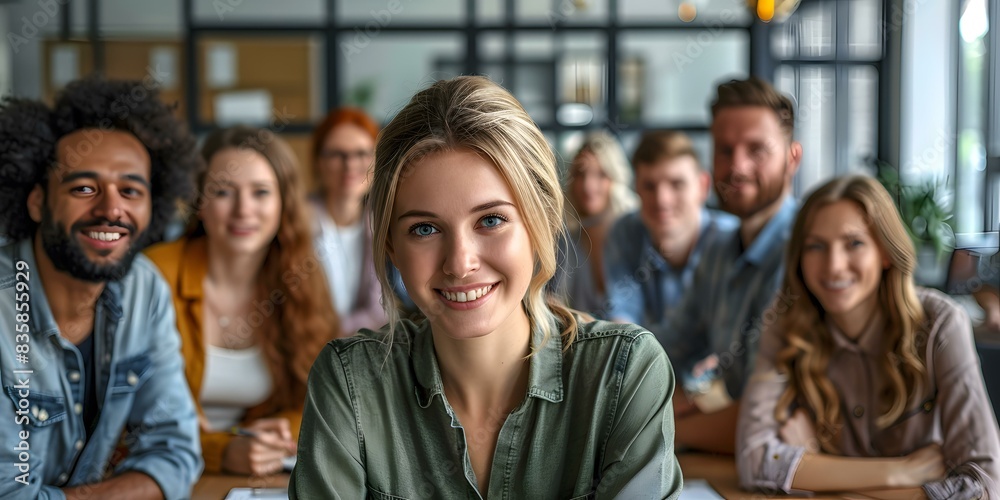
843	62
330	30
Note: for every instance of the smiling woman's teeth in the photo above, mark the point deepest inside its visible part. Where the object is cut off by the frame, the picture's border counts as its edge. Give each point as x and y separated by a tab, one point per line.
104	236
467	296
837	285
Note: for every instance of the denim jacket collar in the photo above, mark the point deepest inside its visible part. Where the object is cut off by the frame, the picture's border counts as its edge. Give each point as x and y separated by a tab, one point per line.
544	372
44	323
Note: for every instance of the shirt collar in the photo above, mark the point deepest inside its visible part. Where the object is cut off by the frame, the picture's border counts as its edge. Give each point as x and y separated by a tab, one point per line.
656	259
770	242
544	368
868	342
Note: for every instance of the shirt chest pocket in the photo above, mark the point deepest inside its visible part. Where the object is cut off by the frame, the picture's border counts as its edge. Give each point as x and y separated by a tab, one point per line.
916	428
374	494
130	374
36	409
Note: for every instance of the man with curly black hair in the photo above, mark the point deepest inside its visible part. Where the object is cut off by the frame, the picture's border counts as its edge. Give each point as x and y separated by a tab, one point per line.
97	403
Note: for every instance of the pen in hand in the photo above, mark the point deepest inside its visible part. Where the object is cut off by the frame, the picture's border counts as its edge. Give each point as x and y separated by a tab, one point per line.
240	431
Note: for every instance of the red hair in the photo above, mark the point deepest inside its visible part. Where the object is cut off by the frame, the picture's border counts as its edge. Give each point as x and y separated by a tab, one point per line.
336	118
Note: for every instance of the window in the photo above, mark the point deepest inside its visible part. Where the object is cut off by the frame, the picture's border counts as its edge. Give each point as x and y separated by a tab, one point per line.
828	57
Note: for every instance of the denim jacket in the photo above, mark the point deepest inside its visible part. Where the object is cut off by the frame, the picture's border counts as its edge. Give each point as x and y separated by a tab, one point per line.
144	402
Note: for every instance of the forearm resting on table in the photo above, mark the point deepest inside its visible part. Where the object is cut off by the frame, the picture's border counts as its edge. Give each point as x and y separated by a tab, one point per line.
713	432
895	494
128	485
818	472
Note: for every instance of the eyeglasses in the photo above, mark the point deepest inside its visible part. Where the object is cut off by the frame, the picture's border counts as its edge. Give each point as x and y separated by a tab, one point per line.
365	156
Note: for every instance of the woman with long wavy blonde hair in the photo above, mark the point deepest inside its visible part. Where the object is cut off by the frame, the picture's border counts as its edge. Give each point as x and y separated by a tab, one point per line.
863	380
492	390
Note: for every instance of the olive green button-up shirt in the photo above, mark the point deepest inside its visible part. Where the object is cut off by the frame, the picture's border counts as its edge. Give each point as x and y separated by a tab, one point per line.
596	422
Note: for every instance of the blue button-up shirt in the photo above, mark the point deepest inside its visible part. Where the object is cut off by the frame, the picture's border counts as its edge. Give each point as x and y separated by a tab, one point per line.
143	399
643	287
726	308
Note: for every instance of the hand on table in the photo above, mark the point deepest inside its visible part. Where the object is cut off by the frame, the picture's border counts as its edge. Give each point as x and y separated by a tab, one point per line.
799	430
261	454
920	467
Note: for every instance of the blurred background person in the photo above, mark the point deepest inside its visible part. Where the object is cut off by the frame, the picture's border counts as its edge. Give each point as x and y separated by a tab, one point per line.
343	146
253	309
755	159
650	254
598	191
866	381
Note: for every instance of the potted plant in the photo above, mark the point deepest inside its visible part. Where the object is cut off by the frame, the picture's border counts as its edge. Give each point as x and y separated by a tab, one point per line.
926	209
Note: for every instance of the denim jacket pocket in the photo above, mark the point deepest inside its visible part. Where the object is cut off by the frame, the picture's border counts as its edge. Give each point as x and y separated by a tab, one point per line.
130	374
43	409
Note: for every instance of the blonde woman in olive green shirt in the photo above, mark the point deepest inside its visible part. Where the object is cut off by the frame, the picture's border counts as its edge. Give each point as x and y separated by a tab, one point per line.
492	391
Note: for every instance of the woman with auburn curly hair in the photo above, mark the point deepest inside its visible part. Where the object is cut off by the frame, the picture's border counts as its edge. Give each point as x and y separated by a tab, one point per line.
342	147
492	390
865	382
253	310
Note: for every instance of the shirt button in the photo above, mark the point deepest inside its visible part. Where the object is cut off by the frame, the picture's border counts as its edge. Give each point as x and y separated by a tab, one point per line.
79	445
132	378
43	415
62	478
928	406
78	408
859	411
74	376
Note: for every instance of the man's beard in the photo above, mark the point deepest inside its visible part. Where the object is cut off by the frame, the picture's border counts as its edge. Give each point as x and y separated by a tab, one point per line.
67	254
767	194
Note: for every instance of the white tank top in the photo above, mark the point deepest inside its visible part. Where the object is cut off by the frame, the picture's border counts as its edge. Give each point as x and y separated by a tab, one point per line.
235	380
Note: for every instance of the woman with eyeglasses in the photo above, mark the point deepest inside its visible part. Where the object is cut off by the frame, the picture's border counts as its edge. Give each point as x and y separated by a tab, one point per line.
343	147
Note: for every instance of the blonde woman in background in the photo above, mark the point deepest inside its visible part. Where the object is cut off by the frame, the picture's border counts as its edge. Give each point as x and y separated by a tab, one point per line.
598	191
863	381
494	391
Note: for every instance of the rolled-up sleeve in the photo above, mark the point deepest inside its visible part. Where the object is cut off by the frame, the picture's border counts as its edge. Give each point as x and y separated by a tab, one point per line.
971	445
162	428
763	461
640	460
329	463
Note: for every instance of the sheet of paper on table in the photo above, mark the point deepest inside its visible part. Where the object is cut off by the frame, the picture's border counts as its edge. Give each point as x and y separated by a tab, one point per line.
257	494
698	489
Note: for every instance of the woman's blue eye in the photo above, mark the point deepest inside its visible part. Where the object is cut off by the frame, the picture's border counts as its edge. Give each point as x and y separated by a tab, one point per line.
423	230
857	243
492	221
